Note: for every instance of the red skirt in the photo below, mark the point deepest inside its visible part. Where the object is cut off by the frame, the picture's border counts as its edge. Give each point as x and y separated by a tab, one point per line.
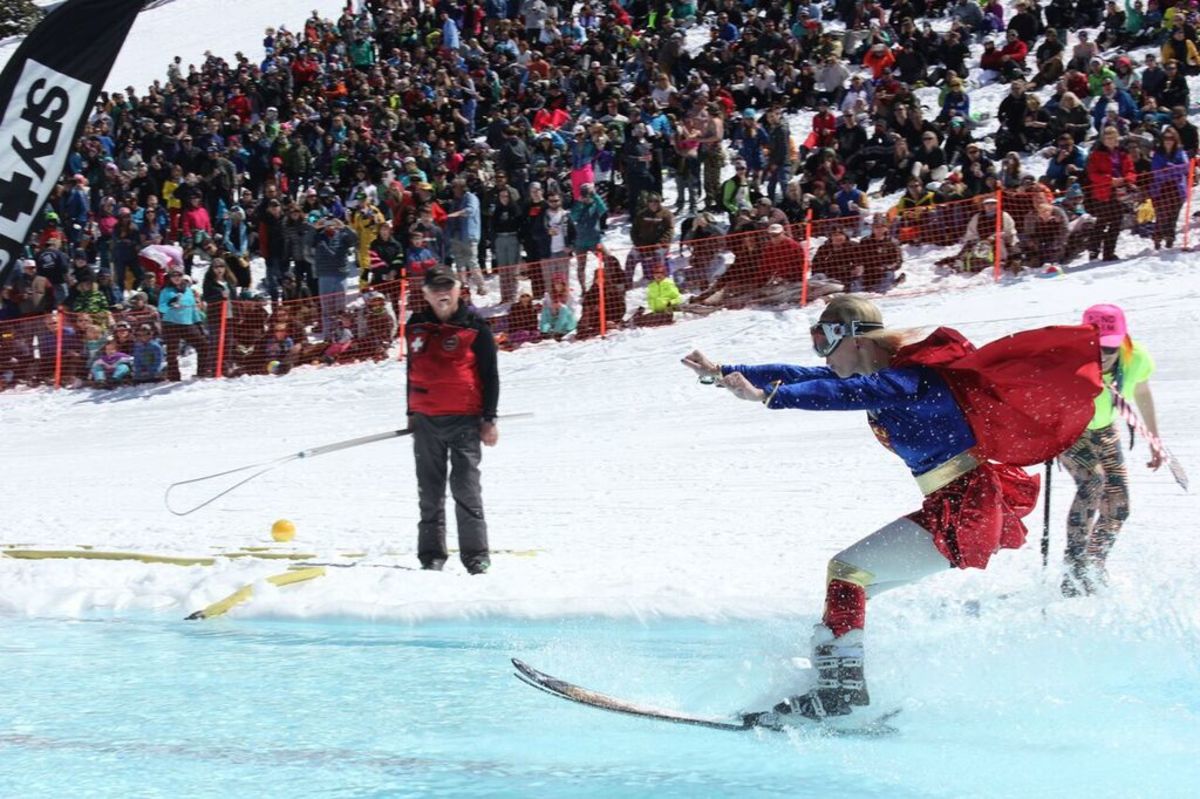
980	513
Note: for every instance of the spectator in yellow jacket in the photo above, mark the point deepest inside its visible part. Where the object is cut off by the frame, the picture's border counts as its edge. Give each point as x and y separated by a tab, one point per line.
365	221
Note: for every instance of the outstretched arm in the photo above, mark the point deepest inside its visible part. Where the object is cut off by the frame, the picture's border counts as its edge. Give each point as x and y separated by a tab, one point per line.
760	376
770	374
888	388
1145	404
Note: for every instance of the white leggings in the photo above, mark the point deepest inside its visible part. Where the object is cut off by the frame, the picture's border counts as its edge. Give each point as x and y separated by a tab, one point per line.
898	553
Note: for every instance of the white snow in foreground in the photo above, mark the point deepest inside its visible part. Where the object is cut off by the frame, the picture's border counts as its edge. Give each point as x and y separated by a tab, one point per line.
642	491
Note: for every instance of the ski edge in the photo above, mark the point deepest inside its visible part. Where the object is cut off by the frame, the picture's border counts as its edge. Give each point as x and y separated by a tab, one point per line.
875	728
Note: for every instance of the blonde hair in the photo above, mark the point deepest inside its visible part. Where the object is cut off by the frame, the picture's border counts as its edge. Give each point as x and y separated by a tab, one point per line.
856	308
851	308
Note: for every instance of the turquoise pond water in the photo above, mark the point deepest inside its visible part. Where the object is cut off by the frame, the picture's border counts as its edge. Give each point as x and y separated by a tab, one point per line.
154	707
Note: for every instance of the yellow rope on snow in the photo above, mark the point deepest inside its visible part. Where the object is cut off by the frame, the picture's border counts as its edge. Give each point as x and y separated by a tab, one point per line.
92	554
247	591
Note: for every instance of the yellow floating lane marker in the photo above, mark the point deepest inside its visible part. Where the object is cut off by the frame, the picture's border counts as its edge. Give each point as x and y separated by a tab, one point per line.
91	554
247	591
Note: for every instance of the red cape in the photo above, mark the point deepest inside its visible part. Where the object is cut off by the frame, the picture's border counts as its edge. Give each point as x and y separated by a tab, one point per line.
1028	396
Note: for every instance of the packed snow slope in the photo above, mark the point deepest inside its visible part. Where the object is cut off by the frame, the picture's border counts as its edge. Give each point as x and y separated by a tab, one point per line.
190	28
639	490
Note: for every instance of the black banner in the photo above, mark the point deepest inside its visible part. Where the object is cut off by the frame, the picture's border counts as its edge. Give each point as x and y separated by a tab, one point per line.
47	92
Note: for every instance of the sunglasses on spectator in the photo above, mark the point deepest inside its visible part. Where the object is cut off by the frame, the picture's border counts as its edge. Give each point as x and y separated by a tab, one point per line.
826	336
1108	352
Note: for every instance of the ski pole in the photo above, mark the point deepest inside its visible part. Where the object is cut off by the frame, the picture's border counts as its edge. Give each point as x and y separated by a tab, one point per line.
1156	445
1046	516
266	466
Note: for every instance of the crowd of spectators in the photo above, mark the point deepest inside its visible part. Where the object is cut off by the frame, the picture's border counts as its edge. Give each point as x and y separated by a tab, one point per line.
516	139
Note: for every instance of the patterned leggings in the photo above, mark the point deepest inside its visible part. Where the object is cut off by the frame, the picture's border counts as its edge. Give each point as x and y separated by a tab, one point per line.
1101	502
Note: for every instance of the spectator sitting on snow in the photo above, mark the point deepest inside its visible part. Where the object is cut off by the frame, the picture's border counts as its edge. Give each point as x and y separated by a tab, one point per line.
342	340
782	257
881	259
766	214
557	320
978	243
279	350
662	296
1044	233
111	366
836	262
149	358
1114	100
377	327
522	323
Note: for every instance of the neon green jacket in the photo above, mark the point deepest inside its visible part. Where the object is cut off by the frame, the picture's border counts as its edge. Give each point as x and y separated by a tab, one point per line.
1135	369
663	295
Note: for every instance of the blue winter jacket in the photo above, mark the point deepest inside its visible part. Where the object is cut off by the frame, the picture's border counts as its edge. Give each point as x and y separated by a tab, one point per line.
1168	170
911	410
1058	171
186	312
466	227
1126	108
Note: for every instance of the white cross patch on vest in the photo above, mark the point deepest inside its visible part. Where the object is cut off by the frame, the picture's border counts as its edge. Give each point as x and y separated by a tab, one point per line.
418	344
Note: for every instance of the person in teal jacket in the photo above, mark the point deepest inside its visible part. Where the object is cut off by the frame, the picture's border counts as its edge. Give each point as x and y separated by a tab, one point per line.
588	213
183	321
557	319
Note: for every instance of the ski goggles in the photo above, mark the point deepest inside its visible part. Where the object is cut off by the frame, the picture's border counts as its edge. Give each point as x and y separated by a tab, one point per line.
826	336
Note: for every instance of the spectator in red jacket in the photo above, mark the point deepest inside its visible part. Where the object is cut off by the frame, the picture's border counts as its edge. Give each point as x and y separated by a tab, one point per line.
1109	170
877	59
197	225
1014	50
782	257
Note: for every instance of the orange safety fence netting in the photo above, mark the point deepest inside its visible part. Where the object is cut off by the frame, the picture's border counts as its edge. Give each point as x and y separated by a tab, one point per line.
800	263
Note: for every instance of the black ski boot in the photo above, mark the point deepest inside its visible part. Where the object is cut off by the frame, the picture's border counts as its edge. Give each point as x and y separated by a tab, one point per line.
840	686
839	690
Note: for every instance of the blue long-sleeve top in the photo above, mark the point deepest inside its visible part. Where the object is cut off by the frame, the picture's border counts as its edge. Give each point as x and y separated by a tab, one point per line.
911	409
1167	171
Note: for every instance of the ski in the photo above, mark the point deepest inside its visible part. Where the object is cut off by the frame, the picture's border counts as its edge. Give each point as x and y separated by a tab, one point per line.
584	696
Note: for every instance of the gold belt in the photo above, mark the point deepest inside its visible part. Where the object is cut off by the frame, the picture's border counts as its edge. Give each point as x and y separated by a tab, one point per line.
946	473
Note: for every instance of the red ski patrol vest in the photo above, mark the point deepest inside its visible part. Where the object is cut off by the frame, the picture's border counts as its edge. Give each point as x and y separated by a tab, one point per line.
442	377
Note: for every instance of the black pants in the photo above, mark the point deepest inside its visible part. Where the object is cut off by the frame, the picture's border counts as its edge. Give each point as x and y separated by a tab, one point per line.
437	439
1108	215
173	338
1166	214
